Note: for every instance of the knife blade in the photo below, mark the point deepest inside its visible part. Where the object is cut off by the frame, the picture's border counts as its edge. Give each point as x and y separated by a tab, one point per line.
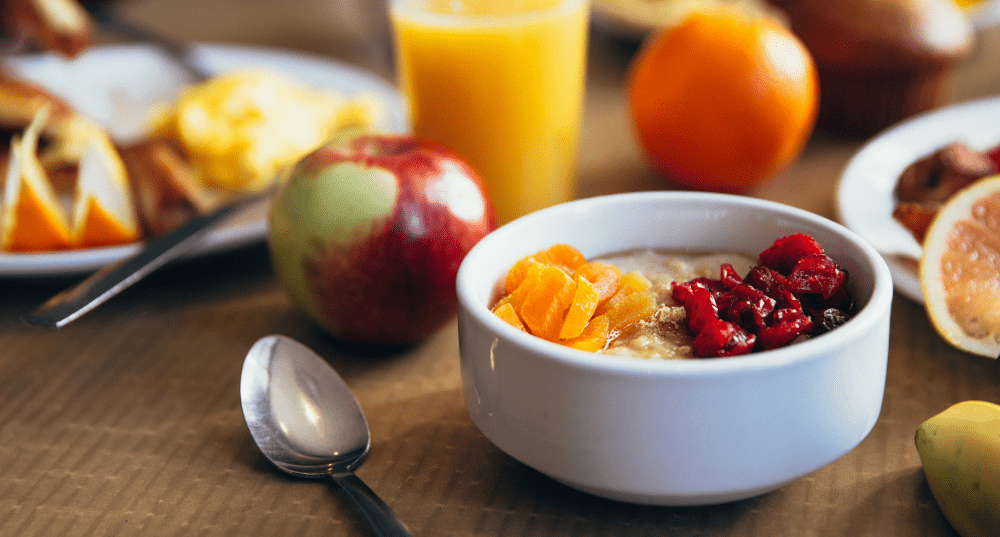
182	53
71	304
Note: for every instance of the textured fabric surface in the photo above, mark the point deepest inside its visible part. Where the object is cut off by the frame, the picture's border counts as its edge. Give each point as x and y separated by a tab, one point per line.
128	421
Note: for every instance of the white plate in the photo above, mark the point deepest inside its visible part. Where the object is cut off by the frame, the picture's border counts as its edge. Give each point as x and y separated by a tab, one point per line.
865	198
986	14
117	85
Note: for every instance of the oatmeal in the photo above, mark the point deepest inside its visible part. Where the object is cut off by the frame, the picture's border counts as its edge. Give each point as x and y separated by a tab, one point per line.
666	334
657	305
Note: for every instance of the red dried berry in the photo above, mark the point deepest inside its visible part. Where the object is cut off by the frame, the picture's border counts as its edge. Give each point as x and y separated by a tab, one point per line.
722	338
786	252
784	332
729	277
749	307
787	300
681	291
817	274
701	308
796	291
772	282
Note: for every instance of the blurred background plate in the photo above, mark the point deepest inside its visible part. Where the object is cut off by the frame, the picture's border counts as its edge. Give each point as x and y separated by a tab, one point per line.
118	85
985	14
865	196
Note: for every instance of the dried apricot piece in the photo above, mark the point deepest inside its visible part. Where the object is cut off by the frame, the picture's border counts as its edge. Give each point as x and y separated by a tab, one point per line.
506	312
604	277
635	281
528	282
545	305
632	309
585	300
562	255
593	338
628	284
516	273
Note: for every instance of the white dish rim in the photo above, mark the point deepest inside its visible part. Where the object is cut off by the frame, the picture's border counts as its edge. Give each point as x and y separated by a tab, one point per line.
250	225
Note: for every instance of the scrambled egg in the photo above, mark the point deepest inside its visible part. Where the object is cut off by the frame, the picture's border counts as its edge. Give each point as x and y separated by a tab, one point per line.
240	130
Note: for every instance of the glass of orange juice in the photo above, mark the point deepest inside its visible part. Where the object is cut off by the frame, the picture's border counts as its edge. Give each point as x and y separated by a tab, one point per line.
501	82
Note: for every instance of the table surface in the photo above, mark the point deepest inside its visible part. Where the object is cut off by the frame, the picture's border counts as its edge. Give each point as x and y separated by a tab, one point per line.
128	421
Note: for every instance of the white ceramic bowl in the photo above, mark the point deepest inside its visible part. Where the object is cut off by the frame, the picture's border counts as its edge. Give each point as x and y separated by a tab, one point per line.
680	432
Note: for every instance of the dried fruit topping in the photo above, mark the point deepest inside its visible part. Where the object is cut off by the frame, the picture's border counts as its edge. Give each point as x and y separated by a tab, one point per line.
557	295
787	251
723	338
816	274
796	291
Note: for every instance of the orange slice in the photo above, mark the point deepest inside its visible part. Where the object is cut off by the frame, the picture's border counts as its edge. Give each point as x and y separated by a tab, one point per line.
960	269
33	219
103	213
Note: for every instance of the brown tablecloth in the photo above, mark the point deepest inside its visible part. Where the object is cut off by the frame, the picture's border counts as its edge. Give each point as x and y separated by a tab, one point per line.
128	421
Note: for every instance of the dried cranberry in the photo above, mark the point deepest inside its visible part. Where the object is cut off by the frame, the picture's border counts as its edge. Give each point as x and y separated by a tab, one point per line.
768	280
748	308
796	291
787	300
782	315
722	338
701	308
682	290
784	332
817	274
730	278
786	252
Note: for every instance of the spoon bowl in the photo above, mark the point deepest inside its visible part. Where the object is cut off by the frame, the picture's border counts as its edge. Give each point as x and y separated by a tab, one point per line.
305	420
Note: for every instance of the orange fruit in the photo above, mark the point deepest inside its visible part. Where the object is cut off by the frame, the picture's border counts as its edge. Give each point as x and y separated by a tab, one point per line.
34	218
103	212
960	269
723	100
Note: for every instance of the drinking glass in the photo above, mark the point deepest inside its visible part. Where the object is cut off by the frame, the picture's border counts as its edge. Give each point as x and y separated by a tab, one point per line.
502	83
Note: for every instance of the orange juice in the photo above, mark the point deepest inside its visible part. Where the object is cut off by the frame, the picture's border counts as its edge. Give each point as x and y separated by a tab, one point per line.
501	82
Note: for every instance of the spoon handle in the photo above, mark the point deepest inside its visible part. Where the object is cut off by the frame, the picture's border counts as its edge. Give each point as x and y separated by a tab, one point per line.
380	517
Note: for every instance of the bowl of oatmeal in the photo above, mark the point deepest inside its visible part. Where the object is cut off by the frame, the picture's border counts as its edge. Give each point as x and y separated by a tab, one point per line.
646	421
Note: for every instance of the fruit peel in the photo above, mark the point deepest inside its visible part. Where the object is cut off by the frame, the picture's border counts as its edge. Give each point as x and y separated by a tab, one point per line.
368	231
303	226
960	453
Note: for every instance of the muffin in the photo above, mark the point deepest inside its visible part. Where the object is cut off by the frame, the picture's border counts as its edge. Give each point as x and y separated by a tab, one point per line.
879	61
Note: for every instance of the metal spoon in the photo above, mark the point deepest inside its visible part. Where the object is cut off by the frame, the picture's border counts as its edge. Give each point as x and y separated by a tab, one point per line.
306	422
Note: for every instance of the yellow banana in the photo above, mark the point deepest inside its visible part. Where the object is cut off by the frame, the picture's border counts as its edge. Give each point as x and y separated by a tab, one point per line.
960	451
